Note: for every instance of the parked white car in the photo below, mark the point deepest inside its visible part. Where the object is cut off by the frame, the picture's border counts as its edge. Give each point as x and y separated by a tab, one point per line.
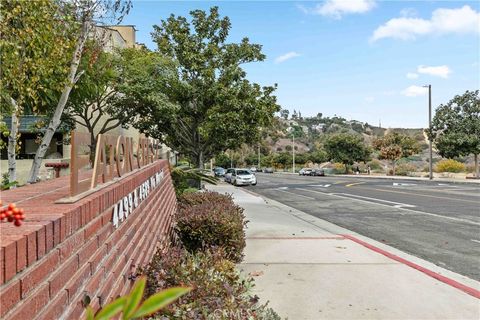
243	177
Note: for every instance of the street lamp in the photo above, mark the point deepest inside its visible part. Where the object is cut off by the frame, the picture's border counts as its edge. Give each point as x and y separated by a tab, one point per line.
292	130
429	86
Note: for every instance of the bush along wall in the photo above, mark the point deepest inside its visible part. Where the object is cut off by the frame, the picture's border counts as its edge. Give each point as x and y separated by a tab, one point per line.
212	238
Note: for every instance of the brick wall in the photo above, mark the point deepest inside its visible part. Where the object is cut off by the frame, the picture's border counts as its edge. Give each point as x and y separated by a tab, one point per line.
64	253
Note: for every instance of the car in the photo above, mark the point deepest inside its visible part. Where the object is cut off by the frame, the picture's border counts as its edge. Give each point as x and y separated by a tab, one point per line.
305	172
243	177
253	169
219	172
318	172
228	175
268	170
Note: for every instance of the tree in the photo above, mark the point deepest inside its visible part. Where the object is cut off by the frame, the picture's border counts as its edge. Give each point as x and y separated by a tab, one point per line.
222	160
215	107
318	156
36	39
284	113
102	98
347	149
456	127
394	146
84	11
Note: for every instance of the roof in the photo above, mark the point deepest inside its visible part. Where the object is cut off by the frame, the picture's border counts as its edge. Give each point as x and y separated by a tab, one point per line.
27	123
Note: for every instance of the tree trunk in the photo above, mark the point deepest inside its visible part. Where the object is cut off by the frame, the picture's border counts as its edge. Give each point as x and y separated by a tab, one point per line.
200	160
393	167
93	147
12	144
55	121
346	168
475	157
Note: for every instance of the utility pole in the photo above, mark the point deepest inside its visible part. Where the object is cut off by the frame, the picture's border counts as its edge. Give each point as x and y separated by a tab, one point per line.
430	128
293	151
258	157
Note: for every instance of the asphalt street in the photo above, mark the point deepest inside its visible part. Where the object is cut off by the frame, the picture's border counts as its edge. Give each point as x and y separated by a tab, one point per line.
438	222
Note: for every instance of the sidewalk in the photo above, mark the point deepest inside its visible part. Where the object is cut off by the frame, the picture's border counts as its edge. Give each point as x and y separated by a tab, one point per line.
361	176
311	269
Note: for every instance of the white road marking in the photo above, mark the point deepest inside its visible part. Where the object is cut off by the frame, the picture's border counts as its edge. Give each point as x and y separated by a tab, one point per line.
403	209
295	194
395	204
282	188
320	185
477	241
396	184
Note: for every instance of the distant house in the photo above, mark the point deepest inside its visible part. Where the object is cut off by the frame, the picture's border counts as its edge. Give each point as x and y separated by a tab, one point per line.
318	127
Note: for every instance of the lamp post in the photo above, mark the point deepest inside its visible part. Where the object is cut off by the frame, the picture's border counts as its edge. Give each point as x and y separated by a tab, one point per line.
429	86
293	151
258	167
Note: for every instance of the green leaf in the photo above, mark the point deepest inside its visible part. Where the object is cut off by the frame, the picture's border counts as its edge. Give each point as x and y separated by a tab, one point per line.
111	309
89	313
160	300
133	299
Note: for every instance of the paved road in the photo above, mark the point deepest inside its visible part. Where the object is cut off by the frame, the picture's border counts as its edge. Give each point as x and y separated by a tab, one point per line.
439	222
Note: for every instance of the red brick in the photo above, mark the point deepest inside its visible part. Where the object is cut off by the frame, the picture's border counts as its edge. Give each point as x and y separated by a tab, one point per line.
48	237
31	248
56	232
98	257
63	274
87	251
63	228
41	243
38	273
21	254
93	227
95	281
75	310
70	245
10	295
55	308
2	266
9	266
32	305
76	282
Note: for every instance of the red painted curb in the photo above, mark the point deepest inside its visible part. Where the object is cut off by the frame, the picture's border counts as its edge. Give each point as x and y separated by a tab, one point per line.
471	291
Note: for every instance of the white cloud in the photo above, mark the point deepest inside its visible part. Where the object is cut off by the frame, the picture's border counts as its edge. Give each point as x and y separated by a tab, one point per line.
369	99
286	56
414	91
412	75
408	12
462	20
438	71
338	8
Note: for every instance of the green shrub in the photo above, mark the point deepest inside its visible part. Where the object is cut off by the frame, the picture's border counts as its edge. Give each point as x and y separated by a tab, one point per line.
218	292
209	219
404	169
185	178
375	164
449	165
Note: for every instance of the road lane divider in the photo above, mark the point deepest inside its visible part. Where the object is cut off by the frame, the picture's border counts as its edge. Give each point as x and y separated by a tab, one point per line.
399	208
354	184
394	204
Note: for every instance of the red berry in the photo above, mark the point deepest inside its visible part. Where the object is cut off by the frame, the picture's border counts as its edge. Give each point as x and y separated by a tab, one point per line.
16	211
8	213
17	223
10	218
21	211
11	206
2	216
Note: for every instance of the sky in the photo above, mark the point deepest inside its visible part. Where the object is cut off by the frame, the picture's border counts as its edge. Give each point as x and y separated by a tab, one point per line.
360	59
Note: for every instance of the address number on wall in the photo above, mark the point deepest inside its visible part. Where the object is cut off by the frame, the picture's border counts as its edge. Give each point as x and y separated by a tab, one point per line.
125	206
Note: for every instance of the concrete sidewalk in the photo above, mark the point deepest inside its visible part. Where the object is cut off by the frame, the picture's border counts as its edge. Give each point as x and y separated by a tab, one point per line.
311	269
